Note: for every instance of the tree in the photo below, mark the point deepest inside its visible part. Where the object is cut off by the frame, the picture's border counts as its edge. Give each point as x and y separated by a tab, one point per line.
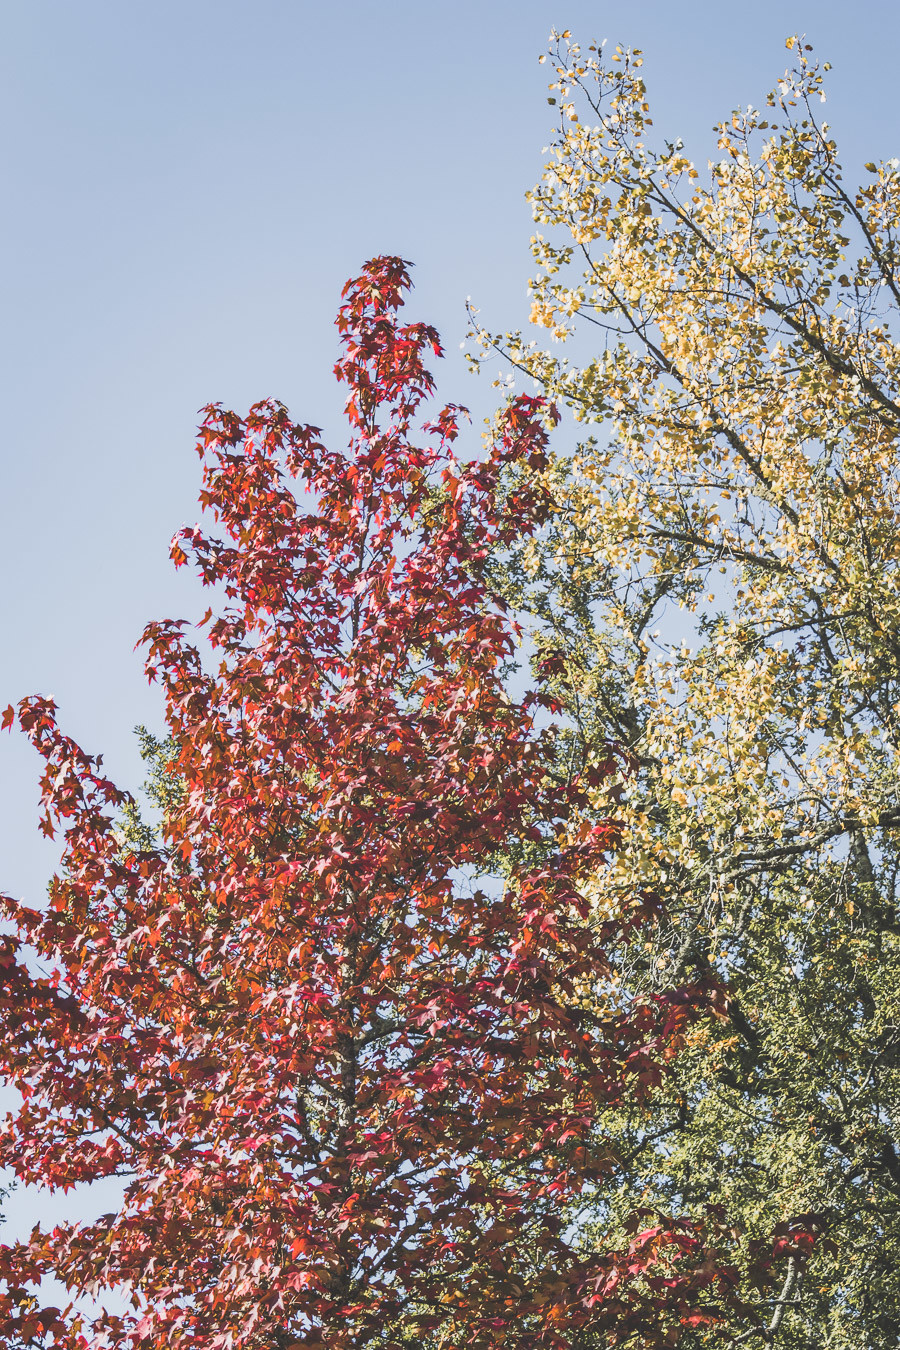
719	592
340	1022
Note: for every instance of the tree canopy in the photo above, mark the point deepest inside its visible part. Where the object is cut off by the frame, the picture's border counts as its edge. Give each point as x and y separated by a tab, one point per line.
718	591
344	1023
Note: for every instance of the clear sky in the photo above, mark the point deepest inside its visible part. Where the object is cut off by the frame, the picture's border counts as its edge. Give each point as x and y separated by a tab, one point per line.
187	185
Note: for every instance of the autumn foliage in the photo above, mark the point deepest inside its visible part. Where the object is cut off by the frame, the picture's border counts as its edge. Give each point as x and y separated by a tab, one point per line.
719	592
330	1026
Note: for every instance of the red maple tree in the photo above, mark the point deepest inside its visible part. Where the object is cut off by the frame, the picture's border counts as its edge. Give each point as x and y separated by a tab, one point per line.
329	1027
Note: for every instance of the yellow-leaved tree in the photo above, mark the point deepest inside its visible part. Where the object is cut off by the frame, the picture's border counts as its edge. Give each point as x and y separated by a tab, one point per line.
719	593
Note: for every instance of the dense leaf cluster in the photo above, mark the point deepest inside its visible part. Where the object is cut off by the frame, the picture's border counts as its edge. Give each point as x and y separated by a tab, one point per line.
355	1079
719	592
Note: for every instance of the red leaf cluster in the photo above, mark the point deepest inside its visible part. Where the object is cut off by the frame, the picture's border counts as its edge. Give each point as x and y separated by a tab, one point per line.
328	1028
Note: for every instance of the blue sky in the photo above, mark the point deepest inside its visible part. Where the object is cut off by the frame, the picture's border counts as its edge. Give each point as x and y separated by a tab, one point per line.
188	184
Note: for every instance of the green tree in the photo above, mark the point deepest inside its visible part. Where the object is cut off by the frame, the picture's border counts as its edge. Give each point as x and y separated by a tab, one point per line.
719	593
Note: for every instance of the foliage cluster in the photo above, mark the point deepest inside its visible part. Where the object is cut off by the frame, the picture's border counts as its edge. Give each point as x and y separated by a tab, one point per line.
353	1075
719	592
